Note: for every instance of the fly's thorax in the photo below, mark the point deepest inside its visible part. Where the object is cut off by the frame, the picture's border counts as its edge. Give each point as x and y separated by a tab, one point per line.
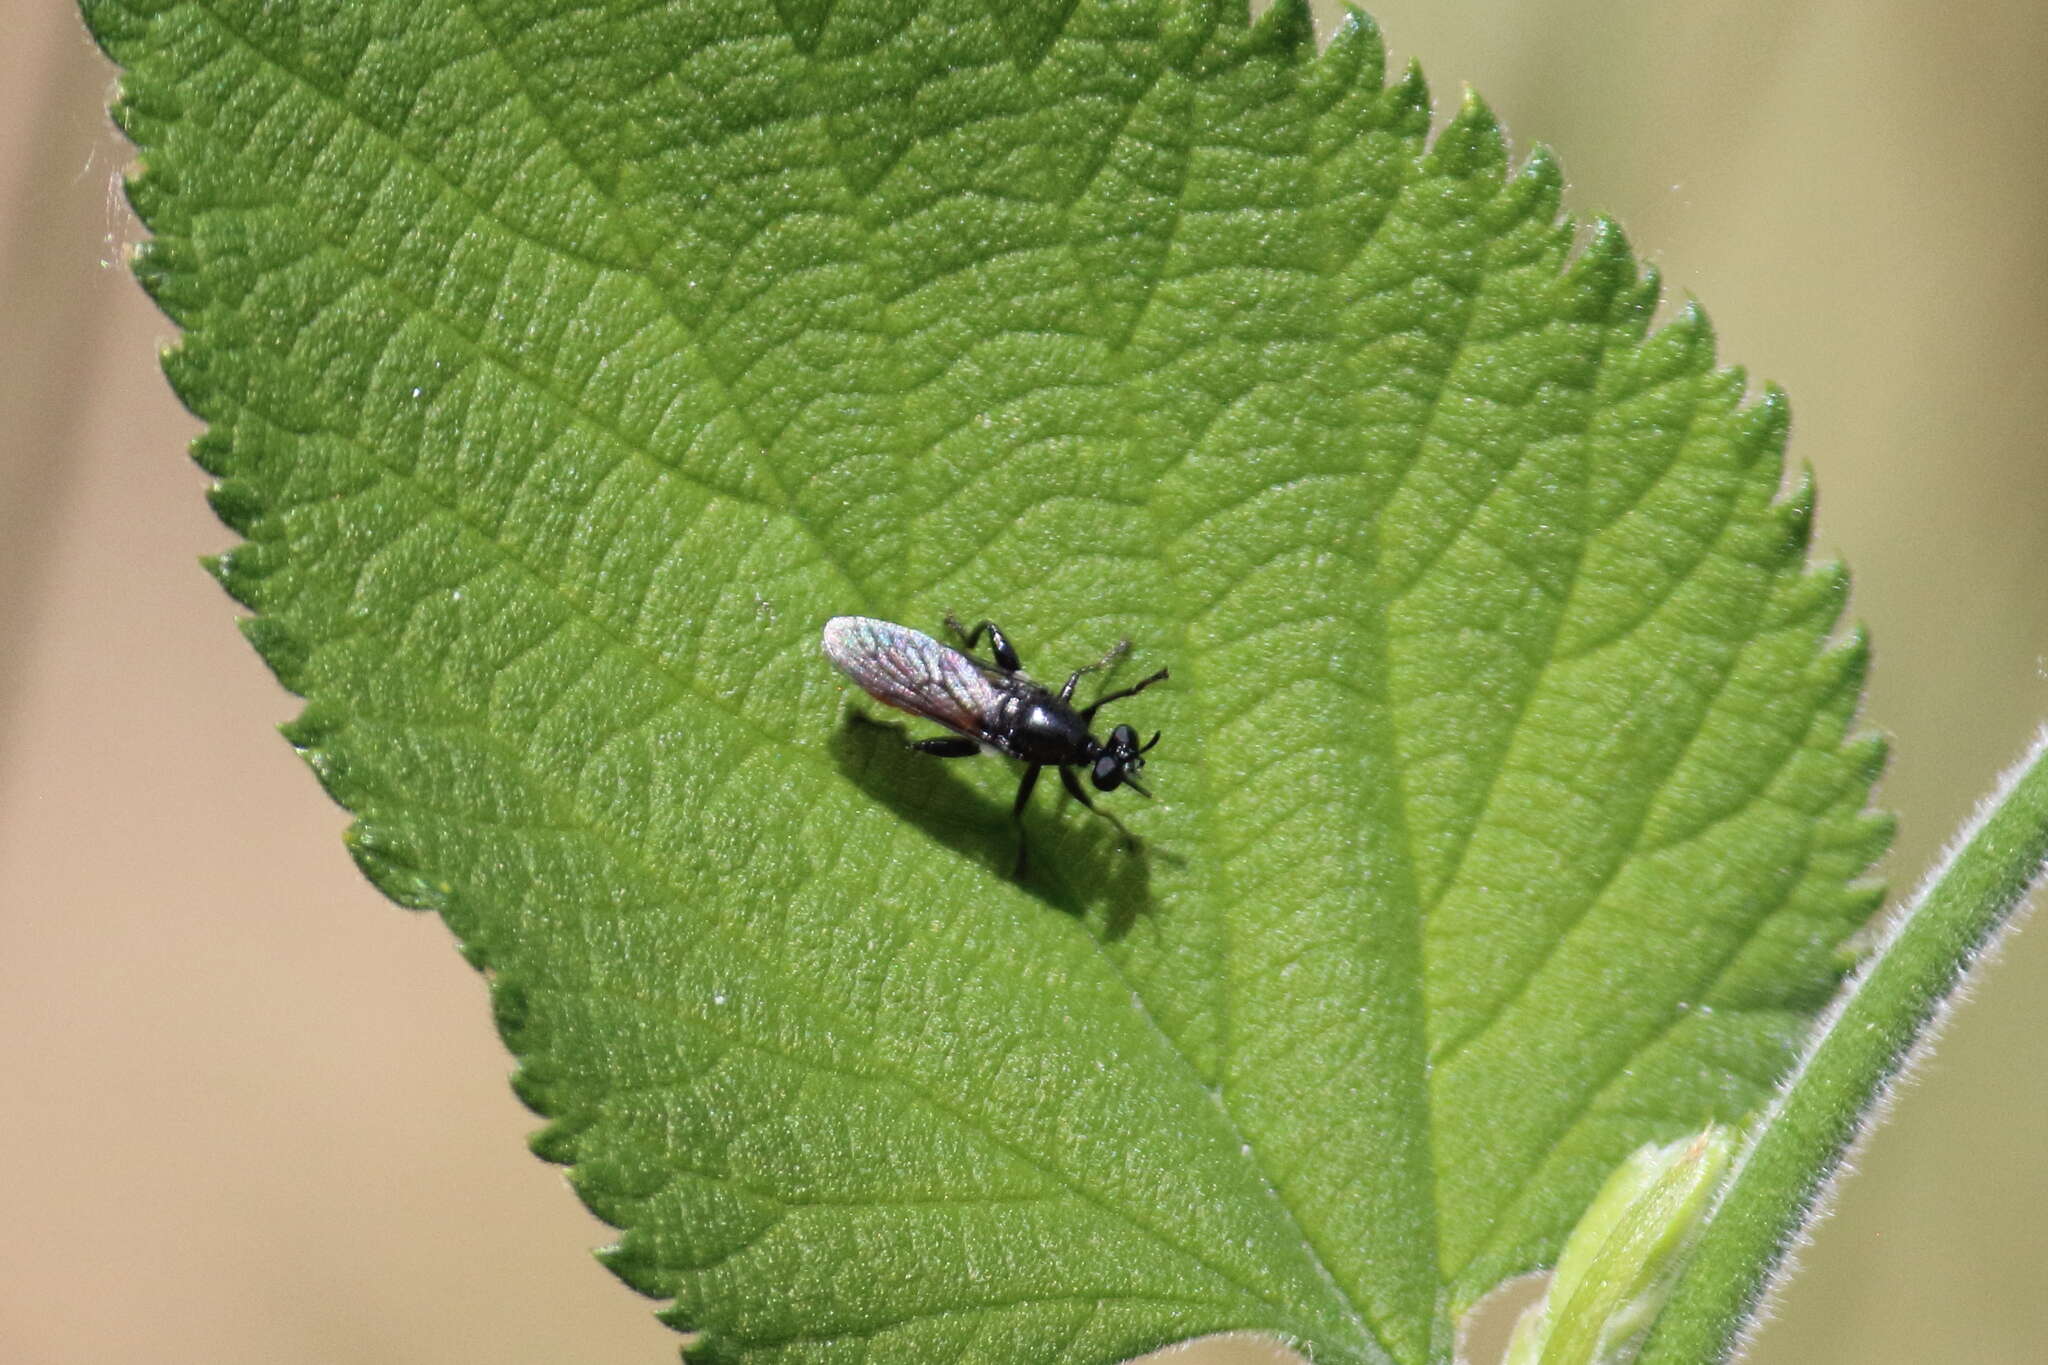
1036	726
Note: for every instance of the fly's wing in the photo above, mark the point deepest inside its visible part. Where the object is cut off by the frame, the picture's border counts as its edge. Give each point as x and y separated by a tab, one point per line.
912	672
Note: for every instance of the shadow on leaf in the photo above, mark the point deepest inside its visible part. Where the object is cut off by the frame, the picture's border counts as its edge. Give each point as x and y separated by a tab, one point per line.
1073	868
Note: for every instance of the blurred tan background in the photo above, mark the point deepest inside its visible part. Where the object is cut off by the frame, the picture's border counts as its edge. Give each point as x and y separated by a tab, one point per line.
251	1112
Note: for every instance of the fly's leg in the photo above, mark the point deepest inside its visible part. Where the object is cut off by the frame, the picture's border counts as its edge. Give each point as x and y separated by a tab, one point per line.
998	643
1116	652
948	746
1017	814
1074	789
1133	690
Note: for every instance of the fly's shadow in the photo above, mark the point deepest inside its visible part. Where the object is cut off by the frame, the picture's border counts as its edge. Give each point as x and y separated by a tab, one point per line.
1074	867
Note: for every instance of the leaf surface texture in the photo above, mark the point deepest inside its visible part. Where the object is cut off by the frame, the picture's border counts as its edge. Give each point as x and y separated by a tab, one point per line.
567	367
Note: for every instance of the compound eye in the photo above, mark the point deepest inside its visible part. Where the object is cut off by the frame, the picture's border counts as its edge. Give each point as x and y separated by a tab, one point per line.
1124	739
1109	773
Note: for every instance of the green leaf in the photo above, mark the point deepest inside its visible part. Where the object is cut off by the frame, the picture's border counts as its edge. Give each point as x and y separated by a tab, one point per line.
567	367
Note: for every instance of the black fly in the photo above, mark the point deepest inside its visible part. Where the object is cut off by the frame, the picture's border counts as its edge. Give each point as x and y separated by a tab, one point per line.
993	707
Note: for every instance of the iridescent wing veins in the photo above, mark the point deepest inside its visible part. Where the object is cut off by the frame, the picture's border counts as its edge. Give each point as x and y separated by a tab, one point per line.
912	672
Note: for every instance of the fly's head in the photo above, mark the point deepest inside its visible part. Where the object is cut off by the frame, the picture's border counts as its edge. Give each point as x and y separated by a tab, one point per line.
1118	763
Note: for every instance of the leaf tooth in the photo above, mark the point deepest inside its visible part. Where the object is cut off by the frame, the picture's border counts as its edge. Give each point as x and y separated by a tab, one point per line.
512	1012
1286	28
280	647
1844	664
637	1261
1358	46
1770	415
315	727
1632	289
185	366
1869	751
168	271
337	777
1408	101
1472	145
213	452
1604	261
240	572
555	1141
1539	181
387	859
1870	830
238	503
1794	511
1687	338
